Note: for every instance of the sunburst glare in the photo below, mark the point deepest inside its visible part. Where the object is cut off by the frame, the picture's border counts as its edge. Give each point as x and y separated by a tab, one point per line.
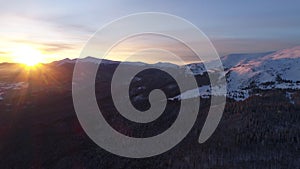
27	55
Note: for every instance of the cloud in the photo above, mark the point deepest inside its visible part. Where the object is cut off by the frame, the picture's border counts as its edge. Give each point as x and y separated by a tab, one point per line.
49	47
56	47
247	45
66	23
3	53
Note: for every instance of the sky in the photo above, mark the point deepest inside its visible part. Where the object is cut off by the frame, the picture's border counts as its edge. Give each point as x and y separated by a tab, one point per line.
54	30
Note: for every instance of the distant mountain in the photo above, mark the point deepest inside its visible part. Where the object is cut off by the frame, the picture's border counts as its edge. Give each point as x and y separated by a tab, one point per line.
90	59
244	72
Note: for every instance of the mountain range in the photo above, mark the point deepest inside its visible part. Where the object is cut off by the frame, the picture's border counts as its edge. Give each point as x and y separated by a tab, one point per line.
259	128
245	73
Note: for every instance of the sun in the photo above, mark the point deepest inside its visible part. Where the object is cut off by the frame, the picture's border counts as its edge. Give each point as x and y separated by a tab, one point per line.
27	55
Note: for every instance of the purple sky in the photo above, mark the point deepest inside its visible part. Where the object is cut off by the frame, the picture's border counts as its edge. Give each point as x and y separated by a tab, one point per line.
59	29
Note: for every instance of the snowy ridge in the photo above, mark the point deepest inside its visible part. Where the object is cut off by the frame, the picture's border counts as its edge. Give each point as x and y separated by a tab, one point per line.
245	72
195	68
203	92
277	70
232	60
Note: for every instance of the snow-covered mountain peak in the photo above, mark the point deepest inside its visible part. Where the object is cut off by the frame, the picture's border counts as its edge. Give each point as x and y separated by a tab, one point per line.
239	59
291	53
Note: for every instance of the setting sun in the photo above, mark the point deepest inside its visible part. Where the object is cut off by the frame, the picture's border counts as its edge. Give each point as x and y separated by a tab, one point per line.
27	55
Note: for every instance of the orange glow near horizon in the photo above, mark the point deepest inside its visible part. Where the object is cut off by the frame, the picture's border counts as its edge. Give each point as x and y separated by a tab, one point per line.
27	55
